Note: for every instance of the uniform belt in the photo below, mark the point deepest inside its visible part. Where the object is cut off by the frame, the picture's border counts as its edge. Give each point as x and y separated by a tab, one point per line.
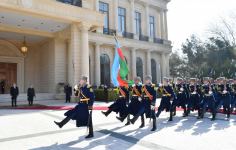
207	95
84	100
134	95
121	96
166	95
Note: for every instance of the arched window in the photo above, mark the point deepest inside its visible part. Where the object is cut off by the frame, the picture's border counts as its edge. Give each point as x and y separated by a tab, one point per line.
105	69
154	71
139	67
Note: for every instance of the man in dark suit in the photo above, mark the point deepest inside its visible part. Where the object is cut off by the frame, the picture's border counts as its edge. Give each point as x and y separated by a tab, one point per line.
31	95
68	92
14	92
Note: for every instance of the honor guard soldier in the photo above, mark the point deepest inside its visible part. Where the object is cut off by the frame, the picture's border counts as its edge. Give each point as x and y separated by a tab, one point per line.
82	112
149	101
194	98
14	92
224	98
233	98
167	98
208	101
120	105
135	107
181	97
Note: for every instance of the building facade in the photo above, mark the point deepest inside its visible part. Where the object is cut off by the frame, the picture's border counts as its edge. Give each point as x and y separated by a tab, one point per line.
69	38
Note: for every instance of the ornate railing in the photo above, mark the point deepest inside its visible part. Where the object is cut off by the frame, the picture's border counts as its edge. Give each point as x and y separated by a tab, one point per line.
72	2
143	37
109	31
128	35
158	40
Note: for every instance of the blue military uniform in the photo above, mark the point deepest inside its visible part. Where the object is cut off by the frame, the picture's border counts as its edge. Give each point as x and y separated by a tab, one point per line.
194	100
224	98
119	106
181	98
80	113
233	97
167	96
208	101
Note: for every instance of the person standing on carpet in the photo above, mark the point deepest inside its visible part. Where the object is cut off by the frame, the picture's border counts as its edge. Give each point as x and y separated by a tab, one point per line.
82	112
31	95
14	92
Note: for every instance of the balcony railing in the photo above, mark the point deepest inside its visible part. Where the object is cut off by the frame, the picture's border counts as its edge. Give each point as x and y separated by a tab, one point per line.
128	35
109	31
158	40
72	2
143	37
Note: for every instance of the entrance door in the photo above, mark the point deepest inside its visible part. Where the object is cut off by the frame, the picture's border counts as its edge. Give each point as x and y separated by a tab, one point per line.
8	76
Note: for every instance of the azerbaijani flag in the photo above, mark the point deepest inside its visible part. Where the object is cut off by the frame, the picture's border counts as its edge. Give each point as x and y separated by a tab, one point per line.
119	68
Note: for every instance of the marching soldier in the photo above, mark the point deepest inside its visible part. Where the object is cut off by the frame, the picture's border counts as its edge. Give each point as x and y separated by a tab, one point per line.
181	97
82	112
167	98
194	98
149	101
135	106
208	101
224	96
119	106
233	102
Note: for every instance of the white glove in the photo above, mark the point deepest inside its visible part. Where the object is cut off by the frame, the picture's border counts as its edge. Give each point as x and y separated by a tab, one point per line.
140	99
152	107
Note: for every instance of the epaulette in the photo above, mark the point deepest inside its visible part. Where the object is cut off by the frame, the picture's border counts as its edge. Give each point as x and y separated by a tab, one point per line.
153	85
89	86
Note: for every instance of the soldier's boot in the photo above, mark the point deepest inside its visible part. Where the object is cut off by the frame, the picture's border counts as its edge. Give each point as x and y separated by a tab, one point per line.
120	118
174	112
107	112
63	122
213	117
199	114
142	122
128	120
185	113
154	127
158	113
90	135
133	120
171	116
228	113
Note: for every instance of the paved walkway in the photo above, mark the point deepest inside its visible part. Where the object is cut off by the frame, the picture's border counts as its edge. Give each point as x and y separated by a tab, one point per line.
35	130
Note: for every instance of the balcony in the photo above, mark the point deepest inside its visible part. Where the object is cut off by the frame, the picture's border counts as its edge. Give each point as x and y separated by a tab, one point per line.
143	38
109	31
128	35
158	40
72	2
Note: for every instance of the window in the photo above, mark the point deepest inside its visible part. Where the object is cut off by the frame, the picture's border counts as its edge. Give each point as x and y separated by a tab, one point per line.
105	69
139	67
104	8
121	19
154	71
138	22
152	26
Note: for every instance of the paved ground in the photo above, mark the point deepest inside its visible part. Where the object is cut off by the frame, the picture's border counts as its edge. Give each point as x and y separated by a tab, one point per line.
35	130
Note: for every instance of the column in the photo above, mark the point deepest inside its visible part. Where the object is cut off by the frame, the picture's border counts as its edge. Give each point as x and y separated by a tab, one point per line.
133	62
132	24
84	50
147	18
97	65
167	65
115	4
148	62
165	24
163	65
96	5
162	24
74	46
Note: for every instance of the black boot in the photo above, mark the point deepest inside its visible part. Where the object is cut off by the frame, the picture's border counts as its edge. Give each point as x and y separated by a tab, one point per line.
107	112
128	120
213	117
134	119
89	136
154	125
120	118
185	113
63	122
142	122
171	116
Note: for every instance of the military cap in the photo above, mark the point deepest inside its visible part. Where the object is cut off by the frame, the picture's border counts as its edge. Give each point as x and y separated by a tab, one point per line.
193	79
137	78
179	79
206	78
148	77
84	78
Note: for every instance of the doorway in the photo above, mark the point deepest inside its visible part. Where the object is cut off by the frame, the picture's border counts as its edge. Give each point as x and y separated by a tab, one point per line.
8	76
